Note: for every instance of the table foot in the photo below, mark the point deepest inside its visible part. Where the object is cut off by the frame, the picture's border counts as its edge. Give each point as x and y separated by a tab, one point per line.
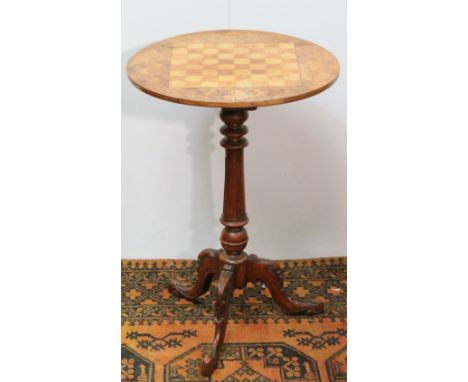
269	273
223	295
208	267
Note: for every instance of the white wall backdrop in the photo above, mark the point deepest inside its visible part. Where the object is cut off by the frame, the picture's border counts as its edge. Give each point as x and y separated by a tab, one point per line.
173	166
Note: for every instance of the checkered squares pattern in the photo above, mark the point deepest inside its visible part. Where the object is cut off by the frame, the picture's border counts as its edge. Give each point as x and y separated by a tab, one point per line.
234	65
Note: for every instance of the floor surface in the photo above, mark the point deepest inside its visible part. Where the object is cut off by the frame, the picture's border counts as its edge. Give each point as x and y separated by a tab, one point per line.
165	338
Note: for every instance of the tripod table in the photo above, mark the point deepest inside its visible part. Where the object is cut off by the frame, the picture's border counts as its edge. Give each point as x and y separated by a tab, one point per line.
236	71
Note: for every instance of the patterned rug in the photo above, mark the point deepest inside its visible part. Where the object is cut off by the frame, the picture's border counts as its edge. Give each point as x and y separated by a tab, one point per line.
164	338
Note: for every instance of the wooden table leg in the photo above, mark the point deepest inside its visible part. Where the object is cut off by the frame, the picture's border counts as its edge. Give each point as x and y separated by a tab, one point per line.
208	267
231	265
223	295
268	272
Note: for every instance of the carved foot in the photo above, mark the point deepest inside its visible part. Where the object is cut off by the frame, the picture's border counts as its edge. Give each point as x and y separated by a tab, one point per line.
208	263
268	272
223	295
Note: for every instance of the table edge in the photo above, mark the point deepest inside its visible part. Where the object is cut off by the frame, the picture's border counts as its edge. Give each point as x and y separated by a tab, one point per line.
235	105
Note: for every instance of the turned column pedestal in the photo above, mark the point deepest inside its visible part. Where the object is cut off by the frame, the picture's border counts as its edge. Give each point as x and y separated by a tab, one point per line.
237	71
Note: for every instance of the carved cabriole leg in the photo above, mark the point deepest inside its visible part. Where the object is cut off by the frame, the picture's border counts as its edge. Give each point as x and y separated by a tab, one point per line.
208	267
223	295
269	272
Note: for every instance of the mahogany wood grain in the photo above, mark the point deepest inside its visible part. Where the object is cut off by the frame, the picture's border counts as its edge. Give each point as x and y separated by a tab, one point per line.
223	295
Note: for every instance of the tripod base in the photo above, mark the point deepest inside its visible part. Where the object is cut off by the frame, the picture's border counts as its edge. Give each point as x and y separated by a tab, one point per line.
234	272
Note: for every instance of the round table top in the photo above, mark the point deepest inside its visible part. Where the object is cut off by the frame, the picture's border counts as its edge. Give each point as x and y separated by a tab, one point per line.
233	69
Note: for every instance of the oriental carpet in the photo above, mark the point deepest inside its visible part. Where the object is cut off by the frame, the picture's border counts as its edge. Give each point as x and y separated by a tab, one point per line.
164	338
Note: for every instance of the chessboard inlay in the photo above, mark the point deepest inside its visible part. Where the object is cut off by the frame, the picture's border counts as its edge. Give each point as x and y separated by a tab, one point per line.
231	65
